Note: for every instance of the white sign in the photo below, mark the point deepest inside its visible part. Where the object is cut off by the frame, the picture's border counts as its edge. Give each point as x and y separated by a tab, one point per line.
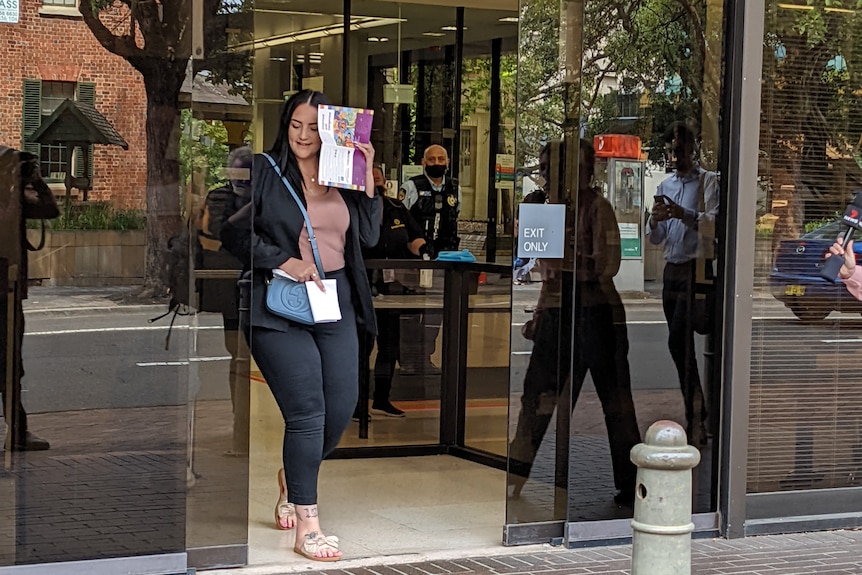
629	231
9	11
541	230
409	170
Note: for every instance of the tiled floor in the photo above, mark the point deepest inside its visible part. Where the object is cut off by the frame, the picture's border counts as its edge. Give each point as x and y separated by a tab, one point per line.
393	506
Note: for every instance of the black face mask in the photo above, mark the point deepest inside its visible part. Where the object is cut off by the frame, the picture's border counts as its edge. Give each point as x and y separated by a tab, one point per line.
436	171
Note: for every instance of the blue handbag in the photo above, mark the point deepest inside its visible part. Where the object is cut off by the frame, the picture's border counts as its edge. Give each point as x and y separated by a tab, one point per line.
285	297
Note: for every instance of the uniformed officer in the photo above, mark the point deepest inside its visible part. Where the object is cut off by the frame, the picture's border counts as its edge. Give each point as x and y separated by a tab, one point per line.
434	200
400	238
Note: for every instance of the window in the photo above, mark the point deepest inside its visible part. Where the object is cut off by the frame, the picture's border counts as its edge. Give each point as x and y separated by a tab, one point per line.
69	3
629	105
52	158
41	99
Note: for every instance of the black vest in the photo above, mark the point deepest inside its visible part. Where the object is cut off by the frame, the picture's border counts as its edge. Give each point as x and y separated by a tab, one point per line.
441	233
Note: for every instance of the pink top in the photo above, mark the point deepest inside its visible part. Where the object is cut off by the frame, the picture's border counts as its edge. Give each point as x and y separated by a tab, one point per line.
854	283
330	219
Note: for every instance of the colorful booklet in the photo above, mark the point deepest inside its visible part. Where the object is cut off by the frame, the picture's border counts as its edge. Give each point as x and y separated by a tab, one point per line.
341	164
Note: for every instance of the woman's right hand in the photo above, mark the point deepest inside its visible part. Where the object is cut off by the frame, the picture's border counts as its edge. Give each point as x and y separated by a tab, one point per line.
849	265
302	271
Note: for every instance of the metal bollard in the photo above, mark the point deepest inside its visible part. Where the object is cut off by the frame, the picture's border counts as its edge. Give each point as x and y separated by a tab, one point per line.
661	528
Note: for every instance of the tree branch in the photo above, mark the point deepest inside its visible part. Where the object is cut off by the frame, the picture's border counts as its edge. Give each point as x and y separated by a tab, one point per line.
123	46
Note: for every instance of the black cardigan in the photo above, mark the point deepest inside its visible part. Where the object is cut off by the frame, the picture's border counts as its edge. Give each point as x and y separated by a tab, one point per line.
277	223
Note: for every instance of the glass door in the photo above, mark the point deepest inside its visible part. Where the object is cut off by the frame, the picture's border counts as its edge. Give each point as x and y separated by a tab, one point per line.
606	344
216	146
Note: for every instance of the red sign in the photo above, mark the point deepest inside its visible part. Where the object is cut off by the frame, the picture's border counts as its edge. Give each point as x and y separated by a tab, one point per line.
617	146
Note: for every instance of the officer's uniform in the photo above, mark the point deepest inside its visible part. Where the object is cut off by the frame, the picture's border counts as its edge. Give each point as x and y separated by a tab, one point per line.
435	209
398	230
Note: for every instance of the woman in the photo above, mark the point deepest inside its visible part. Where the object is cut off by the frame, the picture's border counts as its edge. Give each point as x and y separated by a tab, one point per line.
850	273
400	238
312	371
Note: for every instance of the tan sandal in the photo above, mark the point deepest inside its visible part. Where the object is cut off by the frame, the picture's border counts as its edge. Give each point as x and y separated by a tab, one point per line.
285	512
311	547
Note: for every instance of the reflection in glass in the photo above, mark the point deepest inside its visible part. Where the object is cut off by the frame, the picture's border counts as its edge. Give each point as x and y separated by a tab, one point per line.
600	72
600	346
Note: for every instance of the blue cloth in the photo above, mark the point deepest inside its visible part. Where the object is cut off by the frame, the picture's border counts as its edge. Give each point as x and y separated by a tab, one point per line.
453	256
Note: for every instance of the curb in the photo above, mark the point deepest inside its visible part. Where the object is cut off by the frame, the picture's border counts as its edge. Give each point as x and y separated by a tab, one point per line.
79	310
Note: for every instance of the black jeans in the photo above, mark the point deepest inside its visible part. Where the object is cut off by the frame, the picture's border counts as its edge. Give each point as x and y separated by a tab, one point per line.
235	344
678	300
11	391
313	373
388	352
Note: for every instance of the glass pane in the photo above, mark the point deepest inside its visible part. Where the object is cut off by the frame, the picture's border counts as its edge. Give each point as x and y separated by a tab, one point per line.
627	297
485	427
405	360
803	422
215	144
405	78
96	422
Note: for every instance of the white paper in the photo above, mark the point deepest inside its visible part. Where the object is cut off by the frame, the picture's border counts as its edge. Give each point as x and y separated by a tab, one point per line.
284	274
426	278
324	305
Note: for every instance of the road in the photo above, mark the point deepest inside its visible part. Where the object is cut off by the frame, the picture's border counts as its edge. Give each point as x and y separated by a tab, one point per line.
112	359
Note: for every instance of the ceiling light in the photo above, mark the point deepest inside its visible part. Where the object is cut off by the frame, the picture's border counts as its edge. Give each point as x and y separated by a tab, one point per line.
451	28
509	19
433	34
373	39
356	23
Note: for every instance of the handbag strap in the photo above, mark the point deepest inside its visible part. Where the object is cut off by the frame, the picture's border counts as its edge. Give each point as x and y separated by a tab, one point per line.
302	209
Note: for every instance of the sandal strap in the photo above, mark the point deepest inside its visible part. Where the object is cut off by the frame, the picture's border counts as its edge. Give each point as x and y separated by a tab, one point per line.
314	546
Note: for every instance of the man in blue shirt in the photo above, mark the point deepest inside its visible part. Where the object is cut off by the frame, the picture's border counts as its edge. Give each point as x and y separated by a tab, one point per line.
683	217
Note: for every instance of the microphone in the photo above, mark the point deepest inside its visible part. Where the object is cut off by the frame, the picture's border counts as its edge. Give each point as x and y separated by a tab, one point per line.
851	219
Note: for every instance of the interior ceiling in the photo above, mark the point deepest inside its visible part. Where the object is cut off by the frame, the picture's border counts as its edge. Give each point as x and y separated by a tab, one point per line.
276	17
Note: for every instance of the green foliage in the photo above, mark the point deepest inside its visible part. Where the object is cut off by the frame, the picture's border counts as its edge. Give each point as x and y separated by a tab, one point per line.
96	216
813	84
203	151
654	48
540	109
819	223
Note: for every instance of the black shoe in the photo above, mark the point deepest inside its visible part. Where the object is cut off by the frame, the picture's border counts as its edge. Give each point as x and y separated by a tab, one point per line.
31	442
386	409
427	369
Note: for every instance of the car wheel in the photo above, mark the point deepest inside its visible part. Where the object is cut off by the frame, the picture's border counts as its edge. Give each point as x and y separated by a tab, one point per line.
809	314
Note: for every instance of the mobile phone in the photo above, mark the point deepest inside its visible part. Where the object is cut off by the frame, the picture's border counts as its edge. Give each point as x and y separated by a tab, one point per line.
661	199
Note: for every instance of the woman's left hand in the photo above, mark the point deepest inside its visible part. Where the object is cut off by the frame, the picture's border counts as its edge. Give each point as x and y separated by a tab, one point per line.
368	151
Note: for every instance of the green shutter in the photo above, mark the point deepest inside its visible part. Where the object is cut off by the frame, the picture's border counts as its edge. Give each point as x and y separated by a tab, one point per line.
32	117
86	95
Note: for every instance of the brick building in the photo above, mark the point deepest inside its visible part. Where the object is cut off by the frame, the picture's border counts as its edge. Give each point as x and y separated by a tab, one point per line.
50	55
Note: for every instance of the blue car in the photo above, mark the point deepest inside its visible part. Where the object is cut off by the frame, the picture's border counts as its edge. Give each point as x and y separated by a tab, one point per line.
795	279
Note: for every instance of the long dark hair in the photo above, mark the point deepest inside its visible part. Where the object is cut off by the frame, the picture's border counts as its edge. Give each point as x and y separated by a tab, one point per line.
280	150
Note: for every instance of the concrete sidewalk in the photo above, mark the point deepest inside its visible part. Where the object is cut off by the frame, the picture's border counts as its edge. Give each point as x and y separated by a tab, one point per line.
70	299
822	553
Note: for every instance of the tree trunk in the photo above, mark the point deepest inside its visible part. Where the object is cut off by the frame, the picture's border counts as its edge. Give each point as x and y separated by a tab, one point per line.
162	82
